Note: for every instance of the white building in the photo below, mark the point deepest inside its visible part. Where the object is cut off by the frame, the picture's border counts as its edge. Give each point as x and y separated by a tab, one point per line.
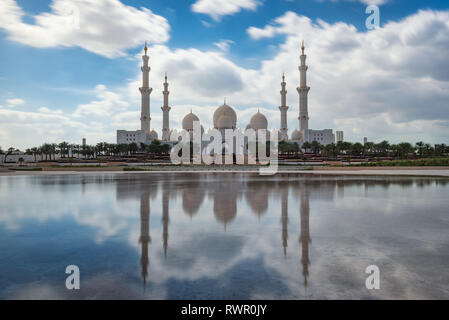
127	137
324	137
340	137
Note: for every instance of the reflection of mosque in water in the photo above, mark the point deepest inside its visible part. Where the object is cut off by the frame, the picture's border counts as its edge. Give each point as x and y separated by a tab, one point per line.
225	192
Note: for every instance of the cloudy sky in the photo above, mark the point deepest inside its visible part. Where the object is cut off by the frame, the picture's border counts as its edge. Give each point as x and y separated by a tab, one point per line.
71	68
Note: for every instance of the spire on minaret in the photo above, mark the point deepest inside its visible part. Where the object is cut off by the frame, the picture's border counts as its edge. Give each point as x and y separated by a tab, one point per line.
303	91
283	108
145	48
165	112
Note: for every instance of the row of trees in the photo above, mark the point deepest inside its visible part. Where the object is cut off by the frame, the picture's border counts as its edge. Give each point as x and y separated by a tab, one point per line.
382	149
48	151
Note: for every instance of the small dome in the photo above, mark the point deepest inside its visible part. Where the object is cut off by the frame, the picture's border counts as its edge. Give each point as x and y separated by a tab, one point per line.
187	122
225	109
248	127
296	135
258	121
153	135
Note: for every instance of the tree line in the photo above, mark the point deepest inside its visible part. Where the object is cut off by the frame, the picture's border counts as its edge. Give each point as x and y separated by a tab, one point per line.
48	151
381	149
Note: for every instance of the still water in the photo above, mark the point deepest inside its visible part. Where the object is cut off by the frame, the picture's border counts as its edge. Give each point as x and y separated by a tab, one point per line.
223	236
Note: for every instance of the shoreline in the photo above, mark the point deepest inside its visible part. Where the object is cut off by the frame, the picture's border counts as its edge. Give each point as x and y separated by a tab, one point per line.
335	171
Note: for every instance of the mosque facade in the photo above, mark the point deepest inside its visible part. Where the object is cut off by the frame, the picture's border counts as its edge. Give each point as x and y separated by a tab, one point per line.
225	116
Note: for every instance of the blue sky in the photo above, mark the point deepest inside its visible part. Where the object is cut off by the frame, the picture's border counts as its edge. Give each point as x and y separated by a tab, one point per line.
58	82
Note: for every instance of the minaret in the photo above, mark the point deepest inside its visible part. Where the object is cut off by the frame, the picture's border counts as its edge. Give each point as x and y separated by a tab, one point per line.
283	108
165	110
145	90
145	238
303	91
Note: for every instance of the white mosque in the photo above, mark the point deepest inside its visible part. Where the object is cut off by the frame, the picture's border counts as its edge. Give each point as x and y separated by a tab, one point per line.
225	117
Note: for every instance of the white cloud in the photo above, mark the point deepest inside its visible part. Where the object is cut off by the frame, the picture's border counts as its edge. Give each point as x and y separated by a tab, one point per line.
11	103
95	25
224	44
218	8
47	110
108	103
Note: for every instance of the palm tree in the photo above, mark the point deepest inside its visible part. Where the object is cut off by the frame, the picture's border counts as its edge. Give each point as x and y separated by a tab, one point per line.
64	148
34	151
54	150
133	147
404	149
368	148
9	152
420	147
356	149
382	147
428	150
316	147
101	148
306	146
330	149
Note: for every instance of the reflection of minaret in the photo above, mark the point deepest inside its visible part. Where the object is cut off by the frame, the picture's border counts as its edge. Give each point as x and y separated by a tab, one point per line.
284	219
165	219
145	238
304	237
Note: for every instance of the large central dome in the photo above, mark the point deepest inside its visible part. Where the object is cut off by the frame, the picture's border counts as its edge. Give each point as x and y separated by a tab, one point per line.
224	112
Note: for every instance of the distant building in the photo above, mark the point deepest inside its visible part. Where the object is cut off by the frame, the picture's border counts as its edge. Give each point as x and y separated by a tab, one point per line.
324	137
340	137
365	140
